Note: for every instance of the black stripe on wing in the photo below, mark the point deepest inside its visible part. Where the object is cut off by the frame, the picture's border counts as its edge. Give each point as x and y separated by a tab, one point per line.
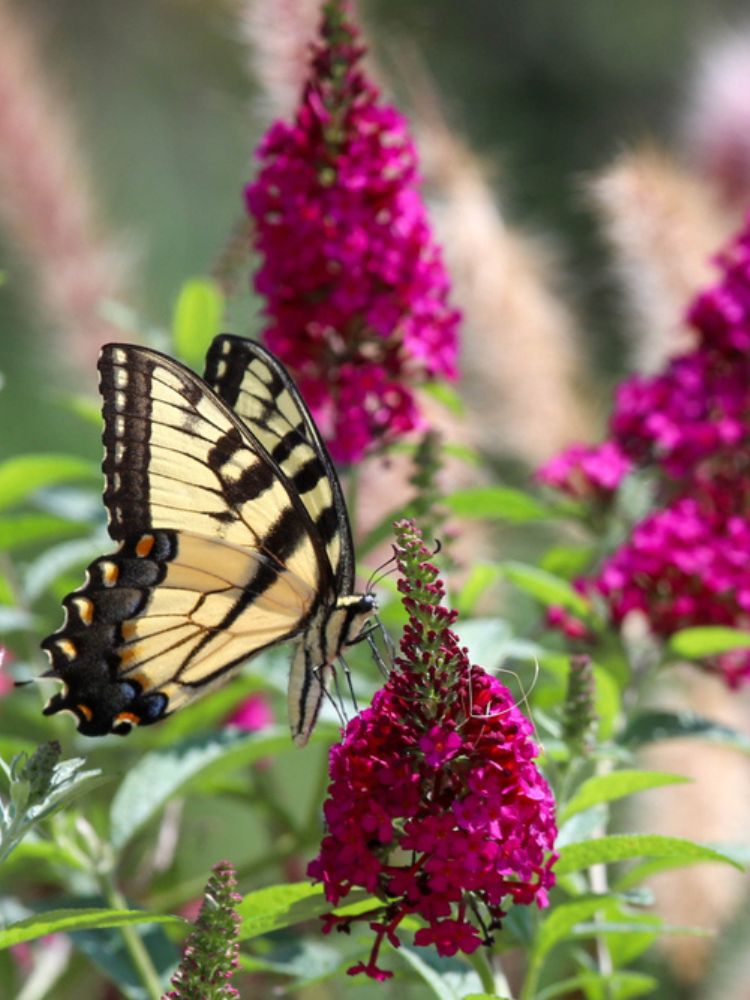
178	457
262	393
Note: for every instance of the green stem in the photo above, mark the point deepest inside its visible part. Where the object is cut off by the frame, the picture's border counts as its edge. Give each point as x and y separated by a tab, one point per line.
493	979
133	941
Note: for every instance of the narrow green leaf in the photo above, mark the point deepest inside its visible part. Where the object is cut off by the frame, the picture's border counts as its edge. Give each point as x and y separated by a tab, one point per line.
481	577
625	847
446	395
280	906
23	475
545	587
60	921
617	985
559	924
162	773
431	977
197	319
617	785
739	853
35	854
567	560
651	727
708	640
501	503
17	530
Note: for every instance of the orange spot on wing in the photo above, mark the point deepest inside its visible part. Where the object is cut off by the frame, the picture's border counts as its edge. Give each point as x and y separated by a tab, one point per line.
85	609
127	717
128	630
85	711
110	573
129	655
67	648
144	546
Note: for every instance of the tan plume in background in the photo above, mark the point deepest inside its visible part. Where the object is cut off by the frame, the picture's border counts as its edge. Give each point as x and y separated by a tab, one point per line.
717	116
711	810
278	34
662	225
46	201
521	361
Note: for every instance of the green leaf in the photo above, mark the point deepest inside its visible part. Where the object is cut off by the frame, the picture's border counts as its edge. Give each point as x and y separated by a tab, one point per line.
652	727
501	503
446	978
617	785
23	475
197	319
708	640
739	853
35	854
446	395
567	560
556	927
624	847
480	579
60	921
280	906
545	587
617	985
161	773
17	530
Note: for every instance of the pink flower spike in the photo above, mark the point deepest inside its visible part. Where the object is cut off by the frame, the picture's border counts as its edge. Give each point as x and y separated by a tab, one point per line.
444	753
356	294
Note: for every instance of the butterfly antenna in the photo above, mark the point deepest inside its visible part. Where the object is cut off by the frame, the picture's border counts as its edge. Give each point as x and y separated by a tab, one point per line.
375	579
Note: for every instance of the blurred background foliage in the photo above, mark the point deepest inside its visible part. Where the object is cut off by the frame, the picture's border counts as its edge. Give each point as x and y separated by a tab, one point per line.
164	99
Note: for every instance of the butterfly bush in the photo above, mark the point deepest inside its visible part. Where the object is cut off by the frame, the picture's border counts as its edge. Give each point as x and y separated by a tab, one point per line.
686	564
436	805
355	288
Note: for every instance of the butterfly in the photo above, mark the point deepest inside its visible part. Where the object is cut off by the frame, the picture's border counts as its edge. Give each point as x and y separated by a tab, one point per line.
233	536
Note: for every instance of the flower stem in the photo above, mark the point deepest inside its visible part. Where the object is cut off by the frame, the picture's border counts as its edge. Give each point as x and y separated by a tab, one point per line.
493	979
133	942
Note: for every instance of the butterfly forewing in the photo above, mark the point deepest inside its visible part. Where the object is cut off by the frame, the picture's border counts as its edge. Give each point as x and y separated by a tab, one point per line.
257	387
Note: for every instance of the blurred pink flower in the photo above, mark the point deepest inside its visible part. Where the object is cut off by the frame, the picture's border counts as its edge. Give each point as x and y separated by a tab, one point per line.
6	681
685	564
252	714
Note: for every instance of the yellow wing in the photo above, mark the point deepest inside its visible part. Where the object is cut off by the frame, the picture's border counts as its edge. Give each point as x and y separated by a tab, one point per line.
259	390
219	558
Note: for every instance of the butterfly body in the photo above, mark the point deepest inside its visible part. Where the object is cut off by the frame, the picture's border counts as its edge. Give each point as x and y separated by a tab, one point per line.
233	537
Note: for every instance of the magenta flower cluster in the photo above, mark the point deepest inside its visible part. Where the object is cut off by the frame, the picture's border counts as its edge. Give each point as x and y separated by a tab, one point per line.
686	564
355	288
587	472
435	804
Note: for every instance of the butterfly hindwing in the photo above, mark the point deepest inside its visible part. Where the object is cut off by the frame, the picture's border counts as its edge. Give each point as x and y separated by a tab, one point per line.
219	556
